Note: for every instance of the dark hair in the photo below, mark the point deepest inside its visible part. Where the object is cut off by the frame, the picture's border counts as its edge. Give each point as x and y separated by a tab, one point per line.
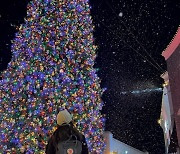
64	132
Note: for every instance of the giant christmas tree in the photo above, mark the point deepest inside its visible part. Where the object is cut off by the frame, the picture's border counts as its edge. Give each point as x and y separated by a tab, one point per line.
51	69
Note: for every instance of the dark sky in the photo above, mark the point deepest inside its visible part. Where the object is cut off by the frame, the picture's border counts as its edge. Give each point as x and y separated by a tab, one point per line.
131	35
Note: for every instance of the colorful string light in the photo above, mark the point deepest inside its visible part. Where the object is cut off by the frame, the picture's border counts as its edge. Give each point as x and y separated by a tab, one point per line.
51	69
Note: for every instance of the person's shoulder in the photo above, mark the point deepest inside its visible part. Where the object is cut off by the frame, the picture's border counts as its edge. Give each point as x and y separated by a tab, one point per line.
78	134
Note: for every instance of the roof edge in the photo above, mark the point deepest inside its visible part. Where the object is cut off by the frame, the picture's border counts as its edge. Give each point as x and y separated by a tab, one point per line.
172	45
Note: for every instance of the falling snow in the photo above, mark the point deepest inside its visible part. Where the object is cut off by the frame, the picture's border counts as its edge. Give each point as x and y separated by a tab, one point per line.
129	61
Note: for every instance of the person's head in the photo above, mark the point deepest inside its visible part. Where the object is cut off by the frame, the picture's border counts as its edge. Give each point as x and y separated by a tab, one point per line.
64	117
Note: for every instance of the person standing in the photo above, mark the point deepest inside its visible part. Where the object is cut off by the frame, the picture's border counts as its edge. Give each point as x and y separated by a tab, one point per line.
64	133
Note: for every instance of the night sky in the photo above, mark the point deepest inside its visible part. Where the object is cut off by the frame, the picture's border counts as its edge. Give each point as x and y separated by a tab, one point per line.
131	35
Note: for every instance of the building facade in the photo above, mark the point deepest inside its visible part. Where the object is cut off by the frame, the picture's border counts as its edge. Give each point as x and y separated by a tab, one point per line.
167	113
114	146
172	57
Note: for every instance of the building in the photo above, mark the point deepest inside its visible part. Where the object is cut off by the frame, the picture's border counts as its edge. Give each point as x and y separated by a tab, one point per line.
114	146
171	117
167	113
